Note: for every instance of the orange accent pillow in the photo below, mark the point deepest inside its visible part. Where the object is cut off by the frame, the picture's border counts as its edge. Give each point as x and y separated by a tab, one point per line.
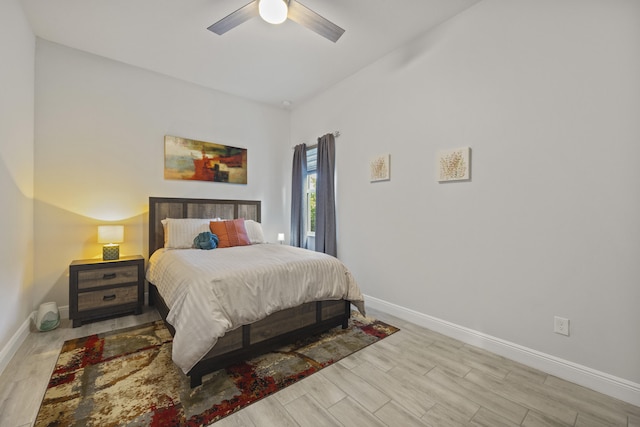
230	233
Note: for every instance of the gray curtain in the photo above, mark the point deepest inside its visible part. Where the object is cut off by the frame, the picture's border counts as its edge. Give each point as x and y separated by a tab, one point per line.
298	193
325	196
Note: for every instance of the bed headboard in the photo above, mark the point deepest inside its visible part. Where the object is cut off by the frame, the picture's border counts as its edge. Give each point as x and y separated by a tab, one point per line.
168	207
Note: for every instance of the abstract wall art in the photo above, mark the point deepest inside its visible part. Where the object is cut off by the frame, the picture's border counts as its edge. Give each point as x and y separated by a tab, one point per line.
454	165
190	159
380	168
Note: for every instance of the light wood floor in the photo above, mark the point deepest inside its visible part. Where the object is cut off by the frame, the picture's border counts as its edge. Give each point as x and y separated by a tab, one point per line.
413	378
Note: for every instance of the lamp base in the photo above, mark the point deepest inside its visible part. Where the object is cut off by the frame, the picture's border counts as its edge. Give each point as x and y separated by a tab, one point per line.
110	252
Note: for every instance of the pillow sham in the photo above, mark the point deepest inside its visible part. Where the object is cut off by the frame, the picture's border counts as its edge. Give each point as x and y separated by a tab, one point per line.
254	231
180	232
230	233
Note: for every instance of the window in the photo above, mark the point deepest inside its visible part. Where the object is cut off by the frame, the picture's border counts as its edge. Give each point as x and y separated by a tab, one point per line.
312	155
311	204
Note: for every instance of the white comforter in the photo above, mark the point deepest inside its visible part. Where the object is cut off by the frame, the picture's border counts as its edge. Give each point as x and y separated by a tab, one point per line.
210	292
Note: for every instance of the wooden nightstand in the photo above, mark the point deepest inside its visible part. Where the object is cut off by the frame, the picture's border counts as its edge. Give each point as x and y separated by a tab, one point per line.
100	288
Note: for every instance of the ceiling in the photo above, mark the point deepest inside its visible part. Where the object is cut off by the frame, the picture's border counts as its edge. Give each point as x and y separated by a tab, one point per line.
256	60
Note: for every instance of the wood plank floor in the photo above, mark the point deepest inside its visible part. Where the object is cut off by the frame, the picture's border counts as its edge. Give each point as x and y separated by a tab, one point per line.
415	377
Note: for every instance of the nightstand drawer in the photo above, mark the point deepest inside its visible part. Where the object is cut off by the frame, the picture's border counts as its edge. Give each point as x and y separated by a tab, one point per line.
107	276
108	297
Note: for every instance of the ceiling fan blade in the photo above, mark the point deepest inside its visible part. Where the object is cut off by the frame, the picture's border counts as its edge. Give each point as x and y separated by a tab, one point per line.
236	18
311	20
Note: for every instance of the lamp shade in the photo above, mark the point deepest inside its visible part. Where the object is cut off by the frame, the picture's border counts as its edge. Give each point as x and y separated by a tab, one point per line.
273	11
110	233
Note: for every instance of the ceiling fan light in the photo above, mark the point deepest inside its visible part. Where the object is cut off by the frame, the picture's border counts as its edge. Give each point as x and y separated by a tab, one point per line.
273	11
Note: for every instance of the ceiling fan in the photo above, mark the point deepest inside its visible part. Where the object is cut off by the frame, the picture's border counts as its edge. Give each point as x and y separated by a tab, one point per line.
276	12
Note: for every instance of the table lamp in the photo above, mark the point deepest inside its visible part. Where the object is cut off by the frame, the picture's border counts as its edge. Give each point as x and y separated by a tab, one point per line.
280	237
111	235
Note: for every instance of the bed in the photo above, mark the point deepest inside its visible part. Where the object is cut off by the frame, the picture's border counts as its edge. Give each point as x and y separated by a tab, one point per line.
316	311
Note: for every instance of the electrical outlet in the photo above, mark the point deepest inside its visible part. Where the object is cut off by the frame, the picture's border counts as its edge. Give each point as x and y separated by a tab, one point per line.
561	325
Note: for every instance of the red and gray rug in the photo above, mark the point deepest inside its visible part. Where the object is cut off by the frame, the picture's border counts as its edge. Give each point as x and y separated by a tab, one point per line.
127	378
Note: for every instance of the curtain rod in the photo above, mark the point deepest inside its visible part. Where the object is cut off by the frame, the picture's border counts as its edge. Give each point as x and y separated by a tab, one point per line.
336	134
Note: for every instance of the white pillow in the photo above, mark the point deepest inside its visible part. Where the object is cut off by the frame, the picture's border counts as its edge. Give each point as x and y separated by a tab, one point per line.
254	231
180	232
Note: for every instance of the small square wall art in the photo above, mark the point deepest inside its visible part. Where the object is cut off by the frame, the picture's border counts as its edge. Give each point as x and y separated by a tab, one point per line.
454	165
380	168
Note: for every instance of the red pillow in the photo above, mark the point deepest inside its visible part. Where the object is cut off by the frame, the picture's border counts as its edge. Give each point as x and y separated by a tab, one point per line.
230	233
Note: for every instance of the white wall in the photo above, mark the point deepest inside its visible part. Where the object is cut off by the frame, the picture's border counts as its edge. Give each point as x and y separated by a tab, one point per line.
547	95
17	47
100	128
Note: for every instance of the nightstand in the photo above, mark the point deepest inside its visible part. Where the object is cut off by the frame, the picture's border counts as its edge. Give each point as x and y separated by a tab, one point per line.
100	288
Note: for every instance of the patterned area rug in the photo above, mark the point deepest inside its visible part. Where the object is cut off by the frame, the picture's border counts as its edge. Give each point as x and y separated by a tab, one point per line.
127	378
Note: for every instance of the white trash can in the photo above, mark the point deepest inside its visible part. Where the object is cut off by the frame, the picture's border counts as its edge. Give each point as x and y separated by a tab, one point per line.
48	317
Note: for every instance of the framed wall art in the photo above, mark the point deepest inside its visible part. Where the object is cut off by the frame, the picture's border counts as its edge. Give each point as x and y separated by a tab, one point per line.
454	165
190	159
379	168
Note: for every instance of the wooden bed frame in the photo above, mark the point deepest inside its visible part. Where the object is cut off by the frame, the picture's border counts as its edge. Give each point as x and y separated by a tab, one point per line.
249	340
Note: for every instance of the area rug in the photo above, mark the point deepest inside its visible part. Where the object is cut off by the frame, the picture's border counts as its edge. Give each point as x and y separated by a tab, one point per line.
127	377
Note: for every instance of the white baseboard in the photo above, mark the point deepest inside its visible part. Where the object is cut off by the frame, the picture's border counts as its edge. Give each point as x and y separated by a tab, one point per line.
15	342
64	311
21	334
602	382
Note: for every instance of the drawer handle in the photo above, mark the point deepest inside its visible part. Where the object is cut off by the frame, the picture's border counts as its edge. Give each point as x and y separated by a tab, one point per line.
109	276
109	297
